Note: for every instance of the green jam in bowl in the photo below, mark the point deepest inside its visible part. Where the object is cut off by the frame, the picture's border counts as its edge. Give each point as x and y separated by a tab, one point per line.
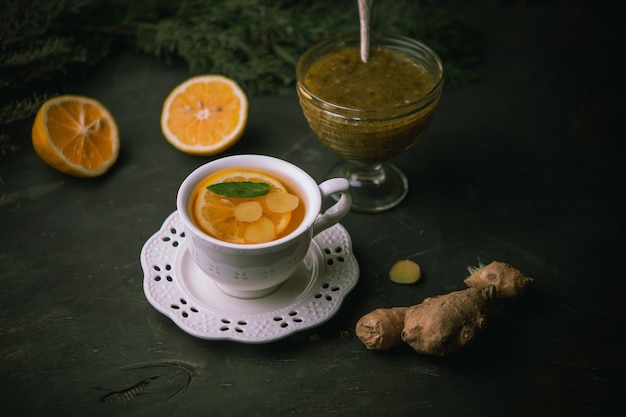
369	112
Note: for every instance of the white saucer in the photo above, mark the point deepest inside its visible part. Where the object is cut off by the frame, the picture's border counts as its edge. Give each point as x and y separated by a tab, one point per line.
176	287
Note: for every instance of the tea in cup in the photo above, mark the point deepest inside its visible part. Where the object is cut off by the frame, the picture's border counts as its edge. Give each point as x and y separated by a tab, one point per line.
250	219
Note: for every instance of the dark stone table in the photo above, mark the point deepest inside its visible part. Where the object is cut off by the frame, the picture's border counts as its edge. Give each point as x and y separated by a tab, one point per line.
525	166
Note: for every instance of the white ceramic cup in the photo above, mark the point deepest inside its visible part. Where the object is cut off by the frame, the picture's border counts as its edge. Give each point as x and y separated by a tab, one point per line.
255	270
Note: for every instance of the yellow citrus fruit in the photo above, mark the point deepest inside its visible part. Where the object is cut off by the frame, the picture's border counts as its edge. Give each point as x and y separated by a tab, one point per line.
76	135
204	115
243	219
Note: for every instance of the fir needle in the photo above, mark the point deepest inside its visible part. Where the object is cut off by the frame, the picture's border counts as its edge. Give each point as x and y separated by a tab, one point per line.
365	10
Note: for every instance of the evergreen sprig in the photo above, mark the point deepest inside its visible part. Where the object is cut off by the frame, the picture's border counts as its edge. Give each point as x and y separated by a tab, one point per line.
256	43
32	54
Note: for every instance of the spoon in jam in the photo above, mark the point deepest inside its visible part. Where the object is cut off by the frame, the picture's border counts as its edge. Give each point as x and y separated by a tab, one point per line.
365	11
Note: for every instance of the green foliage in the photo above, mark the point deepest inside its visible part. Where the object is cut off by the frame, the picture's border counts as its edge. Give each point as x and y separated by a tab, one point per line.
256	42
32	52
35	55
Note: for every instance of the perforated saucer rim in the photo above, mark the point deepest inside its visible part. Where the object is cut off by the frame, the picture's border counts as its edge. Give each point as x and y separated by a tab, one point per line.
177	288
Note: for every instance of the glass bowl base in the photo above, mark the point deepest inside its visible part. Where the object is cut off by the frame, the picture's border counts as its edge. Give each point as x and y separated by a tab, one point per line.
374	188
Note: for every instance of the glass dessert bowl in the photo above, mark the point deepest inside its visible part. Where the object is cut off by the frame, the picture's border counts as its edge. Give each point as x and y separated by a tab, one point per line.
368	113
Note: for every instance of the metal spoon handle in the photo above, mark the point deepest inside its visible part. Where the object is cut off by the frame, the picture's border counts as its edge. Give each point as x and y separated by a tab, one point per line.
365	11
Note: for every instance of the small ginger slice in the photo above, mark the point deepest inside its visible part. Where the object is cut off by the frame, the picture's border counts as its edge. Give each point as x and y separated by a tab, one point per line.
281	202
248	211
405	272
260	231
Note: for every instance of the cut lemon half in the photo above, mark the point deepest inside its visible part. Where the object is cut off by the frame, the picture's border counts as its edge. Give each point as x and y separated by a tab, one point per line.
76	135
243	219
204	115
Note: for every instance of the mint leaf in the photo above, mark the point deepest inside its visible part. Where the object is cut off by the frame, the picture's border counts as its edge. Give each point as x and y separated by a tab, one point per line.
243	189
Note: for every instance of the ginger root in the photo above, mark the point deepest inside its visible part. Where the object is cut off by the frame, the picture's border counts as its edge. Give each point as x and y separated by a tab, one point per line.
445	323
381	329
509	282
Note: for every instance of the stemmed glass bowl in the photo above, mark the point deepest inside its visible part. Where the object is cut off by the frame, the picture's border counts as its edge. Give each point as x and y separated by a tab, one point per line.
366	134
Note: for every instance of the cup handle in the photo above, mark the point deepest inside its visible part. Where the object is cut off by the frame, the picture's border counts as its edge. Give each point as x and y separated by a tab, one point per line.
335	212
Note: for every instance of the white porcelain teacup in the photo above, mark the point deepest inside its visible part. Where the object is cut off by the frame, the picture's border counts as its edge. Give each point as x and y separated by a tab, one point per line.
255	270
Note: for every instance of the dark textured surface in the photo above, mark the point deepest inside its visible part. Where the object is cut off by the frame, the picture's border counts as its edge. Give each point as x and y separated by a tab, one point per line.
524	166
